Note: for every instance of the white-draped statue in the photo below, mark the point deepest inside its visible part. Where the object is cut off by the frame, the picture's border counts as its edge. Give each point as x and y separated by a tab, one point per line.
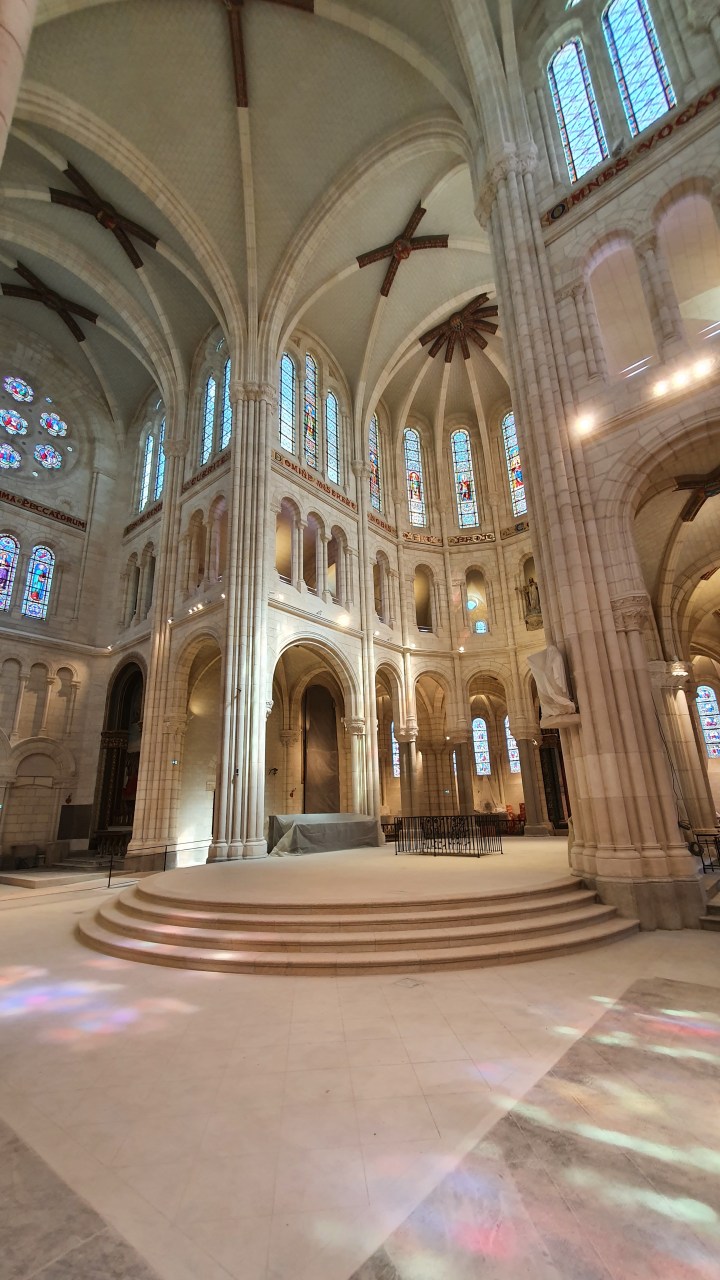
548	668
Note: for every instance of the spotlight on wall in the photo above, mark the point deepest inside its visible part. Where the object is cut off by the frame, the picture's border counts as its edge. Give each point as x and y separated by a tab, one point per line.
222	595
461	648
685	377
585	423
109	647
169	621
174	762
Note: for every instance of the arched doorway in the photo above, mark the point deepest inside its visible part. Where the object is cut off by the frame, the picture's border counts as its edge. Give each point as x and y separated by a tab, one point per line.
119	760
196	769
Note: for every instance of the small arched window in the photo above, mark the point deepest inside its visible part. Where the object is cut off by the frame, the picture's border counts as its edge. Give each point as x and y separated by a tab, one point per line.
394	751
36	596
208	424
310	413
9	552
576	109
512	748
226	413
287	404
637	59
414	476
481	747
146	472
160	464
374	458
332	437
514	465
464	479
707	705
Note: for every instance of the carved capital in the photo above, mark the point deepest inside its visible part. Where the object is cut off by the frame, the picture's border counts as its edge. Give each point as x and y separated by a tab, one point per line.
360	469
646	244
673	676
255	391
176	724
173	447
355	727
289	736
631	612
408	734
510	159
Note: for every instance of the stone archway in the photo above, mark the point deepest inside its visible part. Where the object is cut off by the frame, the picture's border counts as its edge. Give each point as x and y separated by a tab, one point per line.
118	764
198	754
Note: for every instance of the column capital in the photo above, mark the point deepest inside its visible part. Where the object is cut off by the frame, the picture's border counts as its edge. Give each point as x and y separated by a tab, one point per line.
673	675
356	726
360	469
408	734
255	391
289	736
631	612
175	447
508	159
646	243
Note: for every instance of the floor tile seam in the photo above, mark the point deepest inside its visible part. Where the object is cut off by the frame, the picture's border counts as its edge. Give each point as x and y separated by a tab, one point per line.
105	1230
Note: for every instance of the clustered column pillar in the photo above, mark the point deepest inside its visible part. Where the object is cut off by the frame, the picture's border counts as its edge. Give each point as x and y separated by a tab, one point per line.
536	823
674	696
407	741
16	24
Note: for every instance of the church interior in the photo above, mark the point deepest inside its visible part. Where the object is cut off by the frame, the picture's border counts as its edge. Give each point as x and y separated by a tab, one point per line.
359	639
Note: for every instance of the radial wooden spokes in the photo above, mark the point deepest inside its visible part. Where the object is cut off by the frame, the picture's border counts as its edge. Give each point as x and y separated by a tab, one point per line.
464	326
401	248
234	8
40	292
105	213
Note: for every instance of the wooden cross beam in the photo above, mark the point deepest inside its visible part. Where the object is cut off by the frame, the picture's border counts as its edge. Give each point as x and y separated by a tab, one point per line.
401	248
701	488
234	8
88	201
39	292
466	326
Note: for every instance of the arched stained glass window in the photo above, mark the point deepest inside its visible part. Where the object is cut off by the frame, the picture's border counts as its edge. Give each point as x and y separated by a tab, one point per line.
310	413
514	465
36	596
707	705
576	109
638	63
512	748
374	457
160	464
9	552
332	437
481	747
394	751
208	428
146	471
226	421
414	475
287	404
464	479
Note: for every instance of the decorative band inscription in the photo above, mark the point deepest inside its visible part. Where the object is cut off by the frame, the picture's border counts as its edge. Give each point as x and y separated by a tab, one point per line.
388	528
522	526
297	470
143	519
215	465
50	513
467	539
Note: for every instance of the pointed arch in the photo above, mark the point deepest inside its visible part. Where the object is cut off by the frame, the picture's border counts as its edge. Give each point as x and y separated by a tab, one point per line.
38	583
512	748
310	414
375	464
208	423
332	437
638	63
417	509
514	465
287	403
464	477
576	108
481	747
226	411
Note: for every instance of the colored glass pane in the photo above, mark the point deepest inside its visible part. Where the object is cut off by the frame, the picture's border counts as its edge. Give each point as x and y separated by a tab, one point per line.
394	751
38	583
481	747
9	458
514	465
226	423
53	424
414	477
19	389
146	471
707	705
208	429
464	479
287	404
13	423
48	457
374	456
638	62
160	465
576	109
481	627
332	437
310	413
512	748
9	552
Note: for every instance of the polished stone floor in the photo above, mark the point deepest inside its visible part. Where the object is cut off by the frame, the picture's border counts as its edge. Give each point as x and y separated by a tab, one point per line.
232	1127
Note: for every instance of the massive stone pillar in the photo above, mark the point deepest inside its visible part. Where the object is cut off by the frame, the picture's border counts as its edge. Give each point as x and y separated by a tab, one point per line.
361	471
463	767
16	24
674	695
409	781
536	823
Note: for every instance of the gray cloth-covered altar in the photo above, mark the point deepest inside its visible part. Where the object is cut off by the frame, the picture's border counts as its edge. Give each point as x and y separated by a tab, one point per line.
291	834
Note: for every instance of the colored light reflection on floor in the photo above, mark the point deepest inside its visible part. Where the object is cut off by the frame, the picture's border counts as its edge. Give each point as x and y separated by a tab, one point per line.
679	1208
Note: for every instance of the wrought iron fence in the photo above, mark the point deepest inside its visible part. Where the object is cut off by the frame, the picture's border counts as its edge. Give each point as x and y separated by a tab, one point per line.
464	835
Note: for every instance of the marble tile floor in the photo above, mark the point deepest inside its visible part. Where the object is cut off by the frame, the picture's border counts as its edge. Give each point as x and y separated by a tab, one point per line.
232	1127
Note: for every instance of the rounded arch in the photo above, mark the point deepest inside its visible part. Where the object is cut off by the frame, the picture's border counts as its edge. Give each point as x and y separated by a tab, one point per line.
347	676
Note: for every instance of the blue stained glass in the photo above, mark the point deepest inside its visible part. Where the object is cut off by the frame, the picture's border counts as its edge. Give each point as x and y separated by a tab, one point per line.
374	456
395	751
9	458
160	466
332	435
464	479
638	63
53	424
512	748
514	465
146	471
208	430
414	476
19	389
9	552
707	705
576	109
310	412
38	583
48	457
481	627
287	404
481	747
226	429
13	423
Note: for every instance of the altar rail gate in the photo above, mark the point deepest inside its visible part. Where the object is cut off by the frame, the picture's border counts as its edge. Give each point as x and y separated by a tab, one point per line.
464	835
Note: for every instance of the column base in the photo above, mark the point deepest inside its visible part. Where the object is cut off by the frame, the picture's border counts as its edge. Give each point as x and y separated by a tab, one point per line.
537	830
657	904
218	852
254	849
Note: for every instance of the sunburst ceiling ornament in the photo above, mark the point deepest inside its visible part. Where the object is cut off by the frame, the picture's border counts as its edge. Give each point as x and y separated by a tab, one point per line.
401	248
466	326
39	292
88	201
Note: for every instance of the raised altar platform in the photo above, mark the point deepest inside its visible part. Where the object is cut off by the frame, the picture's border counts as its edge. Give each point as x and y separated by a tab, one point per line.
292	834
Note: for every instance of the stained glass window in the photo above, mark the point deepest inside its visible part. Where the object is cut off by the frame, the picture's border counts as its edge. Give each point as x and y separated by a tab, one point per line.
707	705
13	423
48	457
638	63
146	471
394	751
9	458
287	404
374	454
38	583
310	412
160	464
514	465
332	435
206	443
226	426
414	474
481	627
9	552
512	748
53	424
576	109
481	747
464	479
19	389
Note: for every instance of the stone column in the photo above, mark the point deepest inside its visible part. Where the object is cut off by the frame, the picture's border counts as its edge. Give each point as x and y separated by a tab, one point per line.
16	23
408	770
356	729
142	574
298	572
464	766
50	681
22	686
590	331
674	695
322	567
361	471
288	738
70	708
660	296
536	821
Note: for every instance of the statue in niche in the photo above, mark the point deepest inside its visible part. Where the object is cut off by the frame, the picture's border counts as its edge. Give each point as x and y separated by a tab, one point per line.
533	612
548	668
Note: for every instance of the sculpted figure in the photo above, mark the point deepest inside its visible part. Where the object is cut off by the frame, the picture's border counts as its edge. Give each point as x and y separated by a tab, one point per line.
548	668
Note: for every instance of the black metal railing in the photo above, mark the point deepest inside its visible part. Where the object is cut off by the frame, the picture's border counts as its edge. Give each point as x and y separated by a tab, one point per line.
463	835
708	849
161	857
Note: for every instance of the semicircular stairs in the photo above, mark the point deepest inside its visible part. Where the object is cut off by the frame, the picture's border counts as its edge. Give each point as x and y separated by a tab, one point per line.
383	937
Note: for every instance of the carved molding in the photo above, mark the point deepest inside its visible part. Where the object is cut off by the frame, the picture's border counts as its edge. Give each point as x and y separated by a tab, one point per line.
511	159
631	612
